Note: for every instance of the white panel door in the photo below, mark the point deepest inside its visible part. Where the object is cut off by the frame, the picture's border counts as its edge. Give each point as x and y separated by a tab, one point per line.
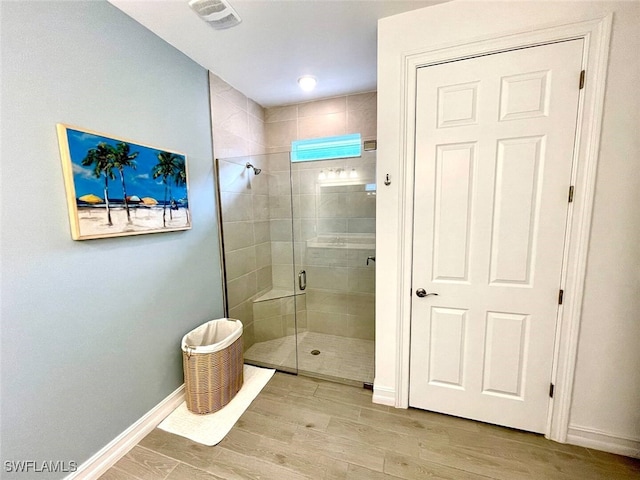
494	150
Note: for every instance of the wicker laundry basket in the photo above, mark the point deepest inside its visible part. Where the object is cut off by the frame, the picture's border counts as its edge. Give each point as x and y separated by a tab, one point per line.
212	359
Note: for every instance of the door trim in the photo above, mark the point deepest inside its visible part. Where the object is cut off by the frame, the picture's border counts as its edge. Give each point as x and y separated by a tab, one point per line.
596	34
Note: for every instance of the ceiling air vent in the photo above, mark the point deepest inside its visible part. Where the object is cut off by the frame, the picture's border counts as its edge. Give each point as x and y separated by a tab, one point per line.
218	13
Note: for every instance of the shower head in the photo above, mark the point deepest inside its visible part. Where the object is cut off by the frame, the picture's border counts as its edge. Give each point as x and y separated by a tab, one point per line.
256	171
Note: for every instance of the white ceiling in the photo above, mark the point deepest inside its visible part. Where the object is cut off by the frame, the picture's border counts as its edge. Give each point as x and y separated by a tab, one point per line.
278	41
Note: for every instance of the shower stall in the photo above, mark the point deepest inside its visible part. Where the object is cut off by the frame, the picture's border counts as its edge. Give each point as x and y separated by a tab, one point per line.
298	244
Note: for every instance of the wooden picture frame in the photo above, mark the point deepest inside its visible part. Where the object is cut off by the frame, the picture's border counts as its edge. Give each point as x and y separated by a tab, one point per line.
117	187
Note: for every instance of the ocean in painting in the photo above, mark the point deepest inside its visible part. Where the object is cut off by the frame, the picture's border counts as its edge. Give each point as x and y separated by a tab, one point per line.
122	187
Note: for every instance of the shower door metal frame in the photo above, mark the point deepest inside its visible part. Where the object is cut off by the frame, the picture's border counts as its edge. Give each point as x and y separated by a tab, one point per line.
223	266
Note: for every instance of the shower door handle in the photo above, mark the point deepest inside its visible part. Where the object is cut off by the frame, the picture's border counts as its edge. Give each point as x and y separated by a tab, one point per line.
302	279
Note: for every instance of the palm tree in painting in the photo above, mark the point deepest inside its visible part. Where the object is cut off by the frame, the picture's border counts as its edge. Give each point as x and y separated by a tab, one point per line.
102	159
123	159
166	168
181	180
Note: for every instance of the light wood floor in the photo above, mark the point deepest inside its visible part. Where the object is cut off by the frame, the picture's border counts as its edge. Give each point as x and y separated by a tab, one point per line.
304	428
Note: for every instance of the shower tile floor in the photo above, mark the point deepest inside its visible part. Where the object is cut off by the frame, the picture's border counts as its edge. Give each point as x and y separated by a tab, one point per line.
340	358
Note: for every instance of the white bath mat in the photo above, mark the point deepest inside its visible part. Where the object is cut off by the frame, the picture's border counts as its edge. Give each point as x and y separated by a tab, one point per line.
211	429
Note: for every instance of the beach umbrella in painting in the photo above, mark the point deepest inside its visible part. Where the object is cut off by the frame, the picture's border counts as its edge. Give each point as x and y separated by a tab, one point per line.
134	199
90	198
149	201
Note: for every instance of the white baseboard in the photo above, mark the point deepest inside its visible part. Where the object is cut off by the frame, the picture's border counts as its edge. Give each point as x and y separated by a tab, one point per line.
384	395
119	446
599	440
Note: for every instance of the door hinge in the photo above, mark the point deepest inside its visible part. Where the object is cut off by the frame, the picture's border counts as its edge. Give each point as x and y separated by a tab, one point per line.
551	389
571	194
560	295
582	75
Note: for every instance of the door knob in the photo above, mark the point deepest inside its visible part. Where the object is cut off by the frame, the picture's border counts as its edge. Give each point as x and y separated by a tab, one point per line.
421	292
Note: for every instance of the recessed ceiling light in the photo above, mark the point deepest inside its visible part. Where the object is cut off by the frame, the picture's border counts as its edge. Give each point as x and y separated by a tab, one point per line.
307	82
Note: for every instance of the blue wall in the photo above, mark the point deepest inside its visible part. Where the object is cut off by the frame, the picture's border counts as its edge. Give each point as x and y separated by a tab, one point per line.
90	330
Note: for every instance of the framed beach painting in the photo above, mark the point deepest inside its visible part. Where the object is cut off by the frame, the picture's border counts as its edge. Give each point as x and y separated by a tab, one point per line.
117	187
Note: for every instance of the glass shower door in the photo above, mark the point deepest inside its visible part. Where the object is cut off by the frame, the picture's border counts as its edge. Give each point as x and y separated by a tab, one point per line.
257	248
334	245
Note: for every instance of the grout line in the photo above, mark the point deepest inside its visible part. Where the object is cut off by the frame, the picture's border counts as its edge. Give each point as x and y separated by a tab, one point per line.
170	471
160	454
124	472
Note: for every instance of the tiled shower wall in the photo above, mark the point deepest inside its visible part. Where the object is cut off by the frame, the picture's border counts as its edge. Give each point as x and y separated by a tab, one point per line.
257	213
337	234
340	292
238	131
322	118
274	313
238	122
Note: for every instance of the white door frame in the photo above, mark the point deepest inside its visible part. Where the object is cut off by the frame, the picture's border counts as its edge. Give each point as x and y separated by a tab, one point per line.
596	34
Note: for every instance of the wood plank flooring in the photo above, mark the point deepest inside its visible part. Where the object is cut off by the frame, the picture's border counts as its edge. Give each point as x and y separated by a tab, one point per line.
303	428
